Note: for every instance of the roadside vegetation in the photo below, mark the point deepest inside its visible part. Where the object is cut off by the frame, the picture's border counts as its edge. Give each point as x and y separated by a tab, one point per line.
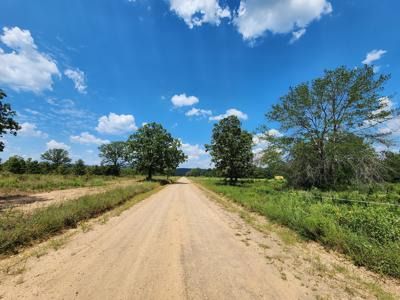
19	229
14	184
369	234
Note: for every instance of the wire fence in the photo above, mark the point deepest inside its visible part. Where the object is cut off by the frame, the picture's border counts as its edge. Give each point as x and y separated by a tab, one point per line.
321	198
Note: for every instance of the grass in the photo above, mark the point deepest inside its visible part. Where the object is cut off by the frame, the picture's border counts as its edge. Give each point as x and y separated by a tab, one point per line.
368	234
14	184
19	229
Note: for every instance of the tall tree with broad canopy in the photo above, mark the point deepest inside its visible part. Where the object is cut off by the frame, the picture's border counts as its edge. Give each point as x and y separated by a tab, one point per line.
15	164
58	157
330	125
152	149
231	149
7	122
79	167
113	154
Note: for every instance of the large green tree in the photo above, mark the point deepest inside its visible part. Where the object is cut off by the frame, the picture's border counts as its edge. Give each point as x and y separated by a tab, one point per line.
330	123
7	122
231	149
57	157
113	154
79	167
152	149
15	164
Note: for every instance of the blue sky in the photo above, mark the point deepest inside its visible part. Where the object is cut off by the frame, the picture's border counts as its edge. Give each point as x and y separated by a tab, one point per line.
81	73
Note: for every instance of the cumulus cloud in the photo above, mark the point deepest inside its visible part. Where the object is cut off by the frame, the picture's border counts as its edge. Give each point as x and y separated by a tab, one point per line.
373	56
198	112
387	105
57	145
193	151
25	68
274	132
87	138
30	130
183	100
392	125
197	156
230	112
255	17
260	142
78	77
116	124
198	12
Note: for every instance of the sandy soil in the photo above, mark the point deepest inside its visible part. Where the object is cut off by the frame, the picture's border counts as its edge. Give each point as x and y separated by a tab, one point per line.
38	200
177	244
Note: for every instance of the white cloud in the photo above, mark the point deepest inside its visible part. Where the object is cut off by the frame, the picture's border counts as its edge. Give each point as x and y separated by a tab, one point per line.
30	130
259	142
25	68
198	112
87	138
78	77
116	124
192	151
386	105
31	111
197	156
274	132
198	12
373	56
57	145
256	17
296	35
183	100
60	103
391	126
230	112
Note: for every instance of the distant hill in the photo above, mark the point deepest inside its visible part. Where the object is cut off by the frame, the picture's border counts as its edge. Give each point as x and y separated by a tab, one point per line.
182	171
198	172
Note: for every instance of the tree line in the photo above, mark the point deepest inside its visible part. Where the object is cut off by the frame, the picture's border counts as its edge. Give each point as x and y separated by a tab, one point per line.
329	130
150	150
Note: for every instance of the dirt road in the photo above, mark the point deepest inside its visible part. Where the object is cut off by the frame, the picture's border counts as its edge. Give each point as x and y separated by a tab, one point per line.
177	244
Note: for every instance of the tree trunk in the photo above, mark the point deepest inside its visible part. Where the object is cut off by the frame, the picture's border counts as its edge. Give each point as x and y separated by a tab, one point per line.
150	175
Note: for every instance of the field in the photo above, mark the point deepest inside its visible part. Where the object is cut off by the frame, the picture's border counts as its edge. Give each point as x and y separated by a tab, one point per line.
368	232
11	184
